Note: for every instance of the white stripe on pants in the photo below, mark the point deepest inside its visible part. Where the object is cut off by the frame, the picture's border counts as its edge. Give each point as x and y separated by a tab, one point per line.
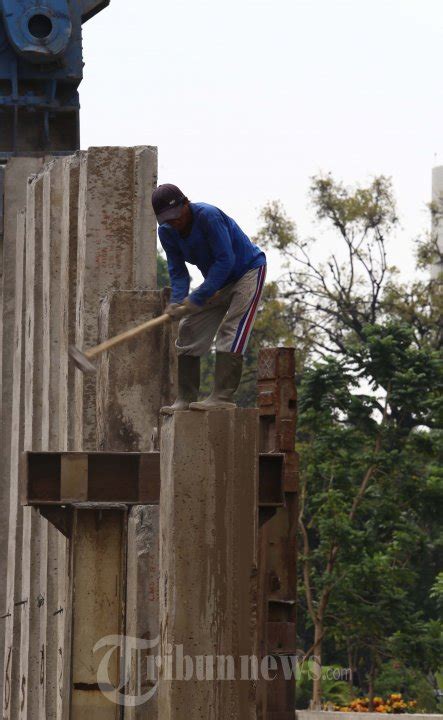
229	316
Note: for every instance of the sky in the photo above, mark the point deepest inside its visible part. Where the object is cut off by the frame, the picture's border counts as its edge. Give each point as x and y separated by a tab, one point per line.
248	99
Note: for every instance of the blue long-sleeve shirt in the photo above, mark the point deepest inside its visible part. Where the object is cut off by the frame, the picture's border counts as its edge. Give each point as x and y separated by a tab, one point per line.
216	245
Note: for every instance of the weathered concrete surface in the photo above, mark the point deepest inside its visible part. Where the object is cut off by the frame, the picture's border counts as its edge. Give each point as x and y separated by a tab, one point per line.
118	410
108	258
15	185
133	379
91	230
98	556
142	606
68	288
13	520
144	222
208	558
55	297
133	383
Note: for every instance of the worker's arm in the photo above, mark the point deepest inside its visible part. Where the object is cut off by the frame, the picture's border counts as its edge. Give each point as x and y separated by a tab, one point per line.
219	239
178	272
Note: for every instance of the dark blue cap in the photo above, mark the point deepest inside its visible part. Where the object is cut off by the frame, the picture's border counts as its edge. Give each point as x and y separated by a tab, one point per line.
167	201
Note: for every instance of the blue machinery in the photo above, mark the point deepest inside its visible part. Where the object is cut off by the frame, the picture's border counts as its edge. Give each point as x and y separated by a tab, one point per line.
41	67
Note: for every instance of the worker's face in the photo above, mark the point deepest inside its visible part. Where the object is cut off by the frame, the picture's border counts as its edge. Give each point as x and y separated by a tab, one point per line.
184	222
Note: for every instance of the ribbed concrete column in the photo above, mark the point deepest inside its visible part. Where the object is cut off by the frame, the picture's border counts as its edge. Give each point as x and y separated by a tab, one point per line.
90	231
12	573
208	570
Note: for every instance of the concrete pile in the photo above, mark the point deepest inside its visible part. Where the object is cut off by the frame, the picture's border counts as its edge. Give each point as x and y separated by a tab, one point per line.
208	565
79	262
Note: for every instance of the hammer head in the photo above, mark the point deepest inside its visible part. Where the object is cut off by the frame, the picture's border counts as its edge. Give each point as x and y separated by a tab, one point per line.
81	360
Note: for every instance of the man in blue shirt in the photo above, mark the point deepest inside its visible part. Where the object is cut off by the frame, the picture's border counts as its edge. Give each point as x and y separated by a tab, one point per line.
224	305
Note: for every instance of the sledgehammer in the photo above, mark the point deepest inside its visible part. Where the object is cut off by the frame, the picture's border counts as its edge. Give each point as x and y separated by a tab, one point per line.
83	359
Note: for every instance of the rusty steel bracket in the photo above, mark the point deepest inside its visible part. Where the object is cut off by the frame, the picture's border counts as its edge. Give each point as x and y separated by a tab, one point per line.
58	482
277	402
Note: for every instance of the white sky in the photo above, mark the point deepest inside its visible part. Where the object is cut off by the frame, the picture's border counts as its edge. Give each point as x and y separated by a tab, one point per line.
247	99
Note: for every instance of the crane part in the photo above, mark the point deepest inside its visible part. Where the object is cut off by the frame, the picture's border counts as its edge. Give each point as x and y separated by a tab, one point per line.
41	67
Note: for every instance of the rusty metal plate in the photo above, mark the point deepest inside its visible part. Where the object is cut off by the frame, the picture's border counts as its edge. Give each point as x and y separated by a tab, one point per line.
149	479
282	638
276	362
285	434
98	477
290	472
74	477
271	479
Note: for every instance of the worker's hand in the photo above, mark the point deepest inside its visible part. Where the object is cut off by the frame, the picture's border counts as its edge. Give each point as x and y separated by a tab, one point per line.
173	310
179	310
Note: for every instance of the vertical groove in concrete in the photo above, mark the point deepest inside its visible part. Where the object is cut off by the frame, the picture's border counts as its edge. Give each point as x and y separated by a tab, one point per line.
12	621
33	648
79	380
208	557
47	569
145	223
30	518
55	296
15	177
69	270
64	225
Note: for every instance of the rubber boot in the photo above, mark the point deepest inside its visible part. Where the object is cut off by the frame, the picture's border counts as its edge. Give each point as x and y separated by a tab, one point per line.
228	372
188	384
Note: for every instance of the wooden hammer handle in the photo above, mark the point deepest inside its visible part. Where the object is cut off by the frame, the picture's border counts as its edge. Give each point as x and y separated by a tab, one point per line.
127	335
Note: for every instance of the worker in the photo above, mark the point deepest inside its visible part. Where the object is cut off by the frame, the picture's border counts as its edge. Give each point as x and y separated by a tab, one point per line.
223	306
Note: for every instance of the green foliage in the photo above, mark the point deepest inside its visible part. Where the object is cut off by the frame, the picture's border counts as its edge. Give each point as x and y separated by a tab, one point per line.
356	209
369	494
162	272
413	684
277	230
335	691
369	435
436	592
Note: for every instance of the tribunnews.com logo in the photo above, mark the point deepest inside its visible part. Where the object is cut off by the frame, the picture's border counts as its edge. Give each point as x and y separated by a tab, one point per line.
141	667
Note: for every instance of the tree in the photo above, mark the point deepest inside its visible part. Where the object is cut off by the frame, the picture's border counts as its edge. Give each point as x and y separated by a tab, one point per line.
162	272
369	428
334	299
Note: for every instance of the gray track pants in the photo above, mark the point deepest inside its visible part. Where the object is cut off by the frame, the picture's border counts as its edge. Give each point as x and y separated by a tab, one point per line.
229	315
